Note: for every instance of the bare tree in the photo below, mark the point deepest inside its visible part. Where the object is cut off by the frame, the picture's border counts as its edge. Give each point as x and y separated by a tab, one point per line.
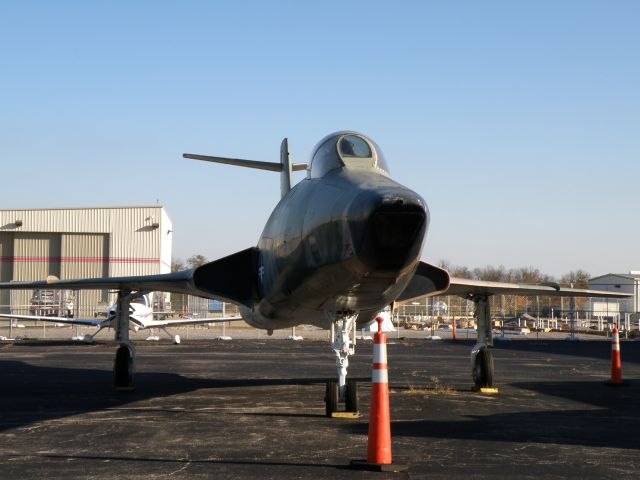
177	265
195	261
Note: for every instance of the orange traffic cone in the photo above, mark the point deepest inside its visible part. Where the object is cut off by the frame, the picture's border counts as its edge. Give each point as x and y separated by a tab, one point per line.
616	363
379	449
379	446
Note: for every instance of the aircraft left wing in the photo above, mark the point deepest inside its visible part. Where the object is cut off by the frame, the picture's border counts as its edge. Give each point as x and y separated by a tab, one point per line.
430	280
71	321
464	287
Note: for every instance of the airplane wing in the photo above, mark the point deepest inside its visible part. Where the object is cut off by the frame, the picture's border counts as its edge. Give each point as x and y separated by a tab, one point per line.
231	279
464	287
71	321
430	280
192	321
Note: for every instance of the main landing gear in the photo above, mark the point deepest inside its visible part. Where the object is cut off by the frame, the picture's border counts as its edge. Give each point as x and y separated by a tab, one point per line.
124	363
481	357
123	367
343	340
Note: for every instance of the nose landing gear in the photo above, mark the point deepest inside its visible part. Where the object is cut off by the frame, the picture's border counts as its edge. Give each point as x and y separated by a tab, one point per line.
343	344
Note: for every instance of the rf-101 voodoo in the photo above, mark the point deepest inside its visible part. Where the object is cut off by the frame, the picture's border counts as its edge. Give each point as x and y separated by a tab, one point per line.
339	247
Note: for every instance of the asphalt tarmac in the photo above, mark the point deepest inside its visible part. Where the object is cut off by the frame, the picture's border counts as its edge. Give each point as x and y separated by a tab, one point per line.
253	408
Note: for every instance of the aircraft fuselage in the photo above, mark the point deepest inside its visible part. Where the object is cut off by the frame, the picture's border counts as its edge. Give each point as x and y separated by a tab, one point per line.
347	241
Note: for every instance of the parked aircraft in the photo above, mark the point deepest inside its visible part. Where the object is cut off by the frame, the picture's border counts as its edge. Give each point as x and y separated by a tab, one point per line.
140	318
339	247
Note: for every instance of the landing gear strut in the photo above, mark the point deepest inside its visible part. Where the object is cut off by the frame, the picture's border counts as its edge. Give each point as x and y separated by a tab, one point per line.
481	357
343	344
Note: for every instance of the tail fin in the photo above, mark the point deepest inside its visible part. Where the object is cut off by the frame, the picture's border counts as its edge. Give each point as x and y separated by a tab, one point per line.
285	167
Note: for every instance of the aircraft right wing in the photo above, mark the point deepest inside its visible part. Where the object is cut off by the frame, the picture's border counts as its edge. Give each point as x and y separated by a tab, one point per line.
231	279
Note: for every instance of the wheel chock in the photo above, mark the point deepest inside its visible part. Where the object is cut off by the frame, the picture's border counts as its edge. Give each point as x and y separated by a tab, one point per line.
489	391
346	415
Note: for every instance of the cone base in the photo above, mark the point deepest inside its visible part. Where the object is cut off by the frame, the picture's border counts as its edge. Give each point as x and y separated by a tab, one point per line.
608	383
378	467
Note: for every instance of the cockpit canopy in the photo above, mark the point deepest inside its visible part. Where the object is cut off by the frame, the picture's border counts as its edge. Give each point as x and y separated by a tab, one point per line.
350	150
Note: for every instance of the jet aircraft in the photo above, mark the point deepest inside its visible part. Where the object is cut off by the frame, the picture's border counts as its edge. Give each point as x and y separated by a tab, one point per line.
140	318
339	247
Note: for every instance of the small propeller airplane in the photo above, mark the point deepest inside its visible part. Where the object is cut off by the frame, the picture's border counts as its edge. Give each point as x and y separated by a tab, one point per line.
339	247
140	318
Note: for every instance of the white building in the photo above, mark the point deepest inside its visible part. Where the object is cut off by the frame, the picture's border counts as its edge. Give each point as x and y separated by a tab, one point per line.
78	243
621	283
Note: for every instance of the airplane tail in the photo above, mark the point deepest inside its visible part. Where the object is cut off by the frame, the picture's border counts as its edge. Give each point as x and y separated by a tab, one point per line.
285	167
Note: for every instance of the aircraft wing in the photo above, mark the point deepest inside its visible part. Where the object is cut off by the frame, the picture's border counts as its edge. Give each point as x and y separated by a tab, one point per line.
464	288
430	280
192	321
231	279
71	321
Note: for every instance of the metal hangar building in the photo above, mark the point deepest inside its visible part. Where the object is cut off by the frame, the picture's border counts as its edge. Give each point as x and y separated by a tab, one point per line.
81	242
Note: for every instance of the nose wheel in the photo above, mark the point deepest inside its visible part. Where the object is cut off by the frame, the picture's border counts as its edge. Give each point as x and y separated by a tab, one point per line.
332	398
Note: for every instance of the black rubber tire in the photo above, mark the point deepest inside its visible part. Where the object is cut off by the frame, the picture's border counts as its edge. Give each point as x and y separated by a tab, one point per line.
483	369
331	397
123	368
351	396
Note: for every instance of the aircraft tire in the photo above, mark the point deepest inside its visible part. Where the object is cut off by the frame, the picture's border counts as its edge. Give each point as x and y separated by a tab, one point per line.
483	369
351	396
123	368
331	397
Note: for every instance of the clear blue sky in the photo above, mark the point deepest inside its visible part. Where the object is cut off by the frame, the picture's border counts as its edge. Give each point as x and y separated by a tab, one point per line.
518	122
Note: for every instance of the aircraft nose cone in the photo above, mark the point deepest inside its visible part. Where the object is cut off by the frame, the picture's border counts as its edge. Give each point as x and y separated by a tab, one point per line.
390	229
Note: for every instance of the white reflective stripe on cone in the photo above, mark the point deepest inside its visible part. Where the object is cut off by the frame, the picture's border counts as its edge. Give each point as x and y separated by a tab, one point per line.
379	353
379	376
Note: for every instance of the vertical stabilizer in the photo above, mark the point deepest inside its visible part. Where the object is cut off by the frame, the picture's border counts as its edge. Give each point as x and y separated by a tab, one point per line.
286	173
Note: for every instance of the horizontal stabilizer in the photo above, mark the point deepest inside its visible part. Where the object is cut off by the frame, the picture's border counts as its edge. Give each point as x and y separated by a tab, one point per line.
271	166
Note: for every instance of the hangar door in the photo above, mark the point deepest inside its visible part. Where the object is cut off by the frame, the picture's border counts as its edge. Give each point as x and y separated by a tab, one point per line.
35	256
85	255
6	268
